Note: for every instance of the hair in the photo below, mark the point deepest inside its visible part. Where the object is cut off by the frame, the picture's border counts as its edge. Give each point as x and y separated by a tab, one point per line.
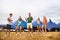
10	14
44	17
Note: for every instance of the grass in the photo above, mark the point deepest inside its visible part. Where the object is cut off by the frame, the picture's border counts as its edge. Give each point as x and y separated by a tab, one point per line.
35	36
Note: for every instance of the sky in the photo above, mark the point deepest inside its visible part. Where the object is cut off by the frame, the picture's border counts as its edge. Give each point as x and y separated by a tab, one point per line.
38	8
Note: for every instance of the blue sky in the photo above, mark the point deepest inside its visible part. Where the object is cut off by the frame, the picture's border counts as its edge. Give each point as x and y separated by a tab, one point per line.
38	8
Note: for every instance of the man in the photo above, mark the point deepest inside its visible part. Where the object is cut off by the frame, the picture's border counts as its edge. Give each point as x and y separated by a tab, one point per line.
44	23
9	23
29	23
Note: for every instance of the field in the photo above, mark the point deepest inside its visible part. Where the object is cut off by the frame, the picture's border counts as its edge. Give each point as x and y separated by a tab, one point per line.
26	36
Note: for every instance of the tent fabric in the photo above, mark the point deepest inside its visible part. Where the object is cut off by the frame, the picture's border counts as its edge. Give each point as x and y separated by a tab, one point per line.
51	25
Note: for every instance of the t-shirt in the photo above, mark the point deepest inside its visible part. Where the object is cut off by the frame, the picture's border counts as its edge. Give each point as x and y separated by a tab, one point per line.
29	19
19	23
39	22
45	21
10	20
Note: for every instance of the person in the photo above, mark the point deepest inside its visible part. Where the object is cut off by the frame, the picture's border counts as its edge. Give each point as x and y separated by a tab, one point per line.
19	25
44	23
39	25
9	23
29	23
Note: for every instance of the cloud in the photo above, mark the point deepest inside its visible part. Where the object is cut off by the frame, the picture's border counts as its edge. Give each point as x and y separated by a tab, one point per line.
38	8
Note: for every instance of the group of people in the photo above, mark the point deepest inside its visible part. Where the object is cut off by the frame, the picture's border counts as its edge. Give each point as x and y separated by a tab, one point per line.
41	26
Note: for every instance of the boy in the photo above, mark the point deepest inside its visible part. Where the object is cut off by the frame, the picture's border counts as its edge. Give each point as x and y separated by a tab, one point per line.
9	23
29	23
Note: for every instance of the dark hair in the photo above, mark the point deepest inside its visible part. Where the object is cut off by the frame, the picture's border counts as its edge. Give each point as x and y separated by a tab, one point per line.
10	14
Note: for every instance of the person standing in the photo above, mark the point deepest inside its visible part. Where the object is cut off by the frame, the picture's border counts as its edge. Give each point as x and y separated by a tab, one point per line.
39	25
44	23
19	25
9	23
29	23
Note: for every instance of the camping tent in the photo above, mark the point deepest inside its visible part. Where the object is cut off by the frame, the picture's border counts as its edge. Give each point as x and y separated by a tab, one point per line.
51	25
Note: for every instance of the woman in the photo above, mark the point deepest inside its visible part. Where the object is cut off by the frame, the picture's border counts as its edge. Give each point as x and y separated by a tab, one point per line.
39	25
19	25
44	23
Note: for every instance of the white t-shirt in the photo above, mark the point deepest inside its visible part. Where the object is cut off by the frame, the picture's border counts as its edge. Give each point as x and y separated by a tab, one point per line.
38	22
9	21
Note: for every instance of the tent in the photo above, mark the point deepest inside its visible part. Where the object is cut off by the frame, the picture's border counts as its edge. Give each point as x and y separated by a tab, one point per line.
34	23
58	25
51	25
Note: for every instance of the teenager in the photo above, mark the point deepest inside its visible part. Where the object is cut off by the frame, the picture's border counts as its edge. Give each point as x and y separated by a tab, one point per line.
19	25
45	23
29	23
9	23
39	25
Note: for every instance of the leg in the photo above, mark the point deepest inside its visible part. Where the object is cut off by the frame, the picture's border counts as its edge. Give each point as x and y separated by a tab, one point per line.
32	30
28	30
9	31
20	29
16	29
31	27
42	28
9	26
6	31
28	27
45	28
38	29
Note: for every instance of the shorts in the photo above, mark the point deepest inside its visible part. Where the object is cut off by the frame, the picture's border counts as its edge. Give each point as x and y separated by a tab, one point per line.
19	24
39	25
29	25
8	26
44	26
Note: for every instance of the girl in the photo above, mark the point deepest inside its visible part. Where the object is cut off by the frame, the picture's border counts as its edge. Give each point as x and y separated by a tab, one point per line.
39	25
19	24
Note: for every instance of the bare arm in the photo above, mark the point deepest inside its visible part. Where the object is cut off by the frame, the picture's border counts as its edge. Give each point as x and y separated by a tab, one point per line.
32	18
25	18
